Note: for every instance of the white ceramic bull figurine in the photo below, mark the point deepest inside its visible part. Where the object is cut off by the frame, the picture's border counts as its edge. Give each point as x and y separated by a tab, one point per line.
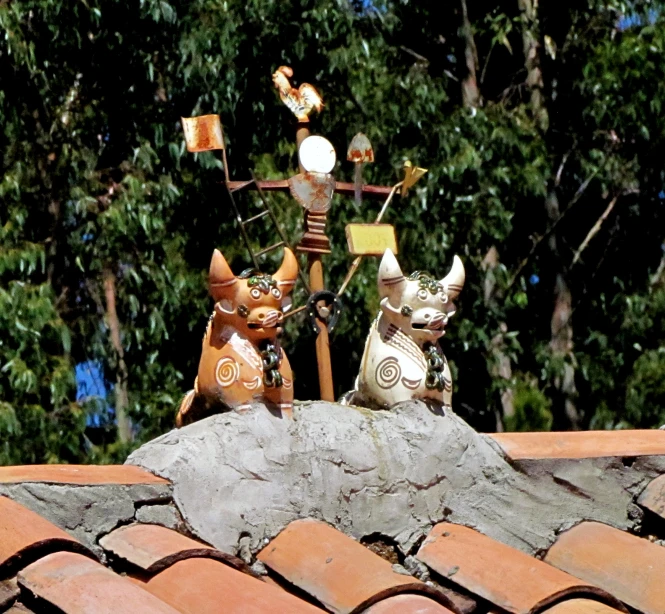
402	358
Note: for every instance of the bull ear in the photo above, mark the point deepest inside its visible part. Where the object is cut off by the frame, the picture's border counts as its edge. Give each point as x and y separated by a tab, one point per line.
391	278
287	272
454	281
221	279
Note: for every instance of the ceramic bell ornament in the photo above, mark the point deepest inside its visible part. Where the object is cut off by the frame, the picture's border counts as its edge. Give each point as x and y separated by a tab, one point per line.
402	358
242	360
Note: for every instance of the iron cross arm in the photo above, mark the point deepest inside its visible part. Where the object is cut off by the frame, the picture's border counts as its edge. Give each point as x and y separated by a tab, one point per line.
282	185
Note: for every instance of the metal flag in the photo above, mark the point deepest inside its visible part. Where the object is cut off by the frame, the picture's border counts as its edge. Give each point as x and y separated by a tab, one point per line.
203	133
411	175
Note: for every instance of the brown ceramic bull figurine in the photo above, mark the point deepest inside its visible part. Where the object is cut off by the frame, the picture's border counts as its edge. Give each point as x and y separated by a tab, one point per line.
242	360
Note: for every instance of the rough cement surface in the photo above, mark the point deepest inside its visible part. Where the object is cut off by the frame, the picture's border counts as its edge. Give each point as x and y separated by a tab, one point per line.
241	478
90	512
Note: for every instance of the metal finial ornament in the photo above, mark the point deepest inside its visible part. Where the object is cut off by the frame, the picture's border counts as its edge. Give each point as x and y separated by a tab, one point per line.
313	188
302	101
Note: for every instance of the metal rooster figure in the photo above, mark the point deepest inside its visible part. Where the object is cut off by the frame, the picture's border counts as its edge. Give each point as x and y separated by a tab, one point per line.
302	101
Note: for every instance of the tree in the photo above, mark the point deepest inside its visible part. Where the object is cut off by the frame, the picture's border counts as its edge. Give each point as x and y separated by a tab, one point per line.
108	224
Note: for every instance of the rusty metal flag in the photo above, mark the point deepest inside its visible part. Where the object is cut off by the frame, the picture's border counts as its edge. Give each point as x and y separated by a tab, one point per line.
203	133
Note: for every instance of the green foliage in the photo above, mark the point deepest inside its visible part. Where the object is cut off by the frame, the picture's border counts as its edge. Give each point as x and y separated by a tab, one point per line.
96	178
532	408
645	395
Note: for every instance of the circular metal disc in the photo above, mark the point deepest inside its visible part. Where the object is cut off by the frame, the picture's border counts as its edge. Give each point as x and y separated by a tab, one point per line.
317	155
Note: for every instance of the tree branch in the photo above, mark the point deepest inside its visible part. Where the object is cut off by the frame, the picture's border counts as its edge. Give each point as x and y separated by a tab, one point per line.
596	227
552	228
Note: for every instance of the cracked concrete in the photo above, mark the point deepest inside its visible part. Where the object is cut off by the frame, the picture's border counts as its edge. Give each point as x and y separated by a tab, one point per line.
393	473
90	512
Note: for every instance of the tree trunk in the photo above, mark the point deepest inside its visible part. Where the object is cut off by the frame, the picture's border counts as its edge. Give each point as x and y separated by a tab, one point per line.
470	91
561	342
121	393
500	364
534	73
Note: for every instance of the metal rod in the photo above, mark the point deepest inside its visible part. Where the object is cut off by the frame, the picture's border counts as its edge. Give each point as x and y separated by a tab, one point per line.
323	360
293	312
224	161
358	185
258	216
385	204
243	232
282	185
265	250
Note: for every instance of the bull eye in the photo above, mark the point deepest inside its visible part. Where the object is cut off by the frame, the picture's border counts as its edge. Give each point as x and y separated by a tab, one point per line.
255	293
276	293
422	294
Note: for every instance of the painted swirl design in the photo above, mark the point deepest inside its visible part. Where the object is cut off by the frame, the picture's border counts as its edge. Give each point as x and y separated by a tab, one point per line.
388	372
227	371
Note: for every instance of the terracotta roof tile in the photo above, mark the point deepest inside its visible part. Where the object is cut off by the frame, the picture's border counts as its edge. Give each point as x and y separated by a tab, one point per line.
78	585
25	536
581	444
202	586
500	574
19	608
153	548
580	606
630	567
78	474
407	604
339	572
653	496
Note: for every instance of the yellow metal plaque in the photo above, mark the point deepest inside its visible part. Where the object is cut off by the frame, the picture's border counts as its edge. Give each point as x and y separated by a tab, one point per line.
203	133
371	239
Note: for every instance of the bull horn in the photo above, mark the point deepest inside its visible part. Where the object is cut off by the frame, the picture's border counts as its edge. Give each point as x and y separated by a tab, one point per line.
288	272
391	278
454	281
221	279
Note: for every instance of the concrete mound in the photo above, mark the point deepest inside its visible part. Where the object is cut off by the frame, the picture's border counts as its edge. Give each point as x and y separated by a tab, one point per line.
240	478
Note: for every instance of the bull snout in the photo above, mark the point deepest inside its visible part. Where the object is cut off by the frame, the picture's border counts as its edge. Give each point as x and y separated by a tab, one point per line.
272	318
429	319
265	318
438	321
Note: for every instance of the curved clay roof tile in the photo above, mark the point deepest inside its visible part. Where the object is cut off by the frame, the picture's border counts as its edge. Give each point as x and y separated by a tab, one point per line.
630	567
508	578
336	570
26	536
